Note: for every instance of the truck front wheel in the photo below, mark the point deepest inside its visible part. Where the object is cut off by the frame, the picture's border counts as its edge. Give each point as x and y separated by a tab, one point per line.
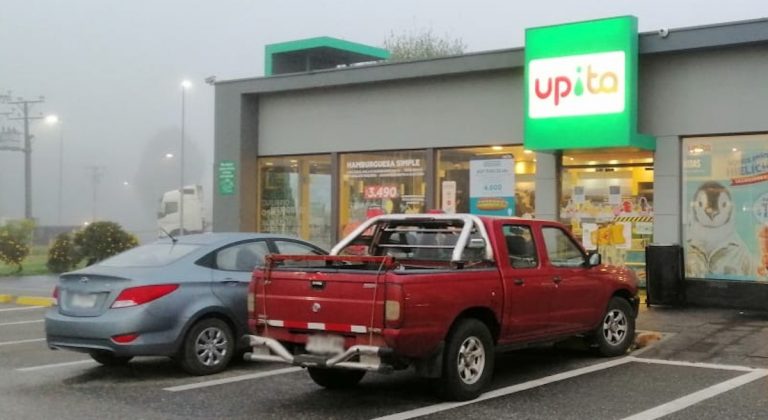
335	378
469	360
616	332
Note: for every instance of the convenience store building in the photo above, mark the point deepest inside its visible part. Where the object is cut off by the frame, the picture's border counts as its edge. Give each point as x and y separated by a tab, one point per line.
658	137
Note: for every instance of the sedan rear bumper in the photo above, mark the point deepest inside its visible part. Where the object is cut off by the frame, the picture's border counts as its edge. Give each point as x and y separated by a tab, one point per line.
157	336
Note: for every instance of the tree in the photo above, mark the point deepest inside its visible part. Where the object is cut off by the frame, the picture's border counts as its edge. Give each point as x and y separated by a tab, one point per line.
422	45
15	237
101	240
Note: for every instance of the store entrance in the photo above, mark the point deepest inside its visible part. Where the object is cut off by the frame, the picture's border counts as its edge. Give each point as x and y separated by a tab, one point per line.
606	198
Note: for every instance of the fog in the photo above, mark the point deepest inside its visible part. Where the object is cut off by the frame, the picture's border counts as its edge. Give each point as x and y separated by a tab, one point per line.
111	71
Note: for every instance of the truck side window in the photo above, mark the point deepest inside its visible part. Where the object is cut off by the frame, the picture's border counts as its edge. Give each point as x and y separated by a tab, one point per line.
561	249
520	246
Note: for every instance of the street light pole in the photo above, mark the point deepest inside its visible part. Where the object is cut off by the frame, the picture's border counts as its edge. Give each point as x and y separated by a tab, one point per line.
184	86
54	119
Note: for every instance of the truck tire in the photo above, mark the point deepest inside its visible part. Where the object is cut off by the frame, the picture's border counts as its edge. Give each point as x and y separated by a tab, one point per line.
207	348
616	331
109	359
335	378
468	361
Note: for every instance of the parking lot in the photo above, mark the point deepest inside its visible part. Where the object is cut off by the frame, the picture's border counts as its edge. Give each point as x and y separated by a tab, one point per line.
542	383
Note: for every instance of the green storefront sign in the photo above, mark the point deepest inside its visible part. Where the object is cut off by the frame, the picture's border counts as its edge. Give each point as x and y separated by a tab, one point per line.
581	86
226	177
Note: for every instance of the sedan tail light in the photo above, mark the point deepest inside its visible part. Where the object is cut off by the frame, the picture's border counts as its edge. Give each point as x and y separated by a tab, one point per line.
140	295
56	295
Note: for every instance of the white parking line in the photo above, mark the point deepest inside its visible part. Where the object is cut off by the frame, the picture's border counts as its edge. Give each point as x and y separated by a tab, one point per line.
693	364
232	379
697	397
54	365
8	343
26	308
21	322
423	411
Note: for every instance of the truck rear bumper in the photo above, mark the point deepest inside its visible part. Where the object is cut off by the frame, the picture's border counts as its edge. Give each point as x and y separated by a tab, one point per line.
358	357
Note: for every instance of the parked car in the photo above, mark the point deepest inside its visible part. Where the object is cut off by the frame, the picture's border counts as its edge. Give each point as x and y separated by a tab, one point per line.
183	297
440	292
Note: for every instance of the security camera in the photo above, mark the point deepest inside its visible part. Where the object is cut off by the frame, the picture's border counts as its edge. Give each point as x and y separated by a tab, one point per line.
663	32
210	80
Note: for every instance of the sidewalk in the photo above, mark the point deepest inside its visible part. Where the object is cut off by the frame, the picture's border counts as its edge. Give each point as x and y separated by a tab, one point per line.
707	335
28	290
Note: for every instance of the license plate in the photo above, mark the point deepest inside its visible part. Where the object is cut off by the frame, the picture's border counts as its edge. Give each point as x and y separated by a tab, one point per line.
325	344
80	300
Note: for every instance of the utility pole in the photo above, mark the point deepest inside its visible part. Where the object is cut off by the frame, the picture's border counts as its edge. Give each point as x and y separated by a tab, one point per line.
24	106
97	172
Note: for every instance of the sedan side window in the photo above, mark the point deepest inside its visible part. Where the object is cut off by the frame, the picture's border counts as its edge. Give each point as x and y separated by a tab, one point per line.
520	246
561	249
242	257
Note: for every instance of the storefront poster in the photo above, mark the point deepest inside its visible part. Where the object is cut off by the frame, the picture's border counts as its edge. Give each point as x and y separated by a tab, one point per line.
492	186
726	219
448	204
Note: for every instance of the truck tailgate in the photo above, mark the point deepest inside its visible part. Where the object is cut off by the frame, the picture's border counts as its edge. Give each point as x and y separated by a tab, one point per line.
344	300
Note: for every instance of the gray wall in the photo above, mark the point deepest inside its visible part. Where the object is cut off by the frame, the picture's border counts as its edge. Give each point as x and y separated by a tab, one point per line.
692	93
478	109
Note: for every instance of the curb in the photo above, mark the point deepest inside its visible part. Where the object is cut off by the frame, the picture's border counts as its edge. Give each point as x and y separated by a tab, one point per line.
34	301
6	298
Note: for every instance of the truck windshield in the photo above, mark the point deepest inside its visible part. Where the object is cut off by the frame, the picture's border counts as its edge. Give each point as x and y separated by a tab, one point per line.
152	255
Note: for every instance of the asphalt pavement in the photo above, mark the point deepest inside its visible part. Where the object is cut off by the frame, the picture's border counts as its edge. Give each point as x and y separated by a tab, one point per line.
707	335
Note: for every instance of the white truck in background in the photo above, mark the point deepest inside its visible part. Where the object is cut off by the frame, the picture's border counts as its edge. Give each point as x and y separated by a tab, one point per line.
169	212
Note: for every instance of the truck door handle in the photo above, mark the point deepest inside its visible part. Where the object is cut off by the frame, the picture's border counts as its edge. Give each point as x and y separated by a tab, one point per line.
519	282
557	279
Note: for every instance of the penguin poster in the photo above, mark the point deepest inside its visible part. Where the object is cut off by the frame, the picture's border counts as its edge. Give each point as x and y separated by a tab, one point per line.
725	199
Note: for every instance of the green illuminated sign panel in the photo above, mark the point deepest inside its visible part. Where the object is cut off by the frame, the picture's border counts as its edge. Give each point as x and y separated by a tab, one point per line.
226	175
581	86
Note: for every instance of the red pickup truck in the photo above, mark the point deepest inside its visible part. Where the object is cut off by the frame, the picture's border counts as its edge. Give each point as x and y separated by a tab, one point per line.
438	292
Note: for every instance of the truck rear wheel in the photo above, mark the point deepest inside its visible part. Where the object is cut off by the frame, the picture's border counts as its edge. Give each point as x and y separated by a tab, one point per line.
469	360
335	378
616	332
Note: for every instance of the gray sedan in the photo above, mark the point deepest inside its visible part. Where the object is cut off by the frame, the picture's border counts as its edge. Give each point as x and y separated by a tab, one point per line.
183	298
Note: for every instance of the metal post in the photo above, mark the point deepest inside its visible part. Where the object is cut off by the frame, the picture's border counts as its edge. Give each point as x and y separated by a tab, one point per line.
27	164
181	164
61	168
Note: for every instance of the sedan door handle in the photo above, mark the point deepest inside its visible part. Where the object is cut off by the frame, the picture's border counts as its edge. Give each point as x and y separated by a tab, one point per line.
557	279
519	282
230	282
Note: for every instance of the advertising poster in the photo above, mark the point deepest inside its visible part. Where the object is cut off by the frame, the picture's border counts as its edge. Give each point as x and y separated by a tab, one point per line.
449	197
725	198
492	186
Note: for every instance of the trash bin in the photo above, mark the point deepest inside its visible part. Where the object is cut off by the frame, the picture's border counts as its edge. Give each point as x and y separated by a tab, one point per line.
664	275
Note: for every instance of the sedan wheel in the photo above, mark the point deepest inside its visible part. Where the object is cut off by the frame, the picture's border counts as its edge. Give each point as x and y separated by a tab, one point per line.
208	347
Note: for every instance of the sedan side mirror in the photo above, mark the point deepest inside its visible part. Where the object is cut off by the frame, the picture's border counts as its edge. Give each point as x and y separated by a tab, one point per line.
593	259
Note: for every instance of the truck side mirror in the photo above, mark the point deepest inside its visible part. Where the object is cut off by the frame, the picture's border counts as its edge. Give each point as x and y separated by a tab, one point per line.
593	259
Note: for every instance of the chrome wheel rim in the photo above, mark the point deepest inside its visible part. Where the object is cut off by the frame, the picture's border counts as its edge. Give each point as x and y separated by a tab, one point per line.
615	327
211	346
471	360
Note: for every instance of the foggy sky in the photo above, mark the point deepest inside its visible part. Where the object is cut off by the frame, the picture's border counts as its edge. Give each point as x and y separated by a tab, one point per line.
111	71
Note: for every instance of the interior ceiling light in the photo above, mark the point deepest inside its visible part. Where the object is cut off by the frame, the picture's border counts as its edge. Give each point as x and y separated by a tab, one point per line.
497	148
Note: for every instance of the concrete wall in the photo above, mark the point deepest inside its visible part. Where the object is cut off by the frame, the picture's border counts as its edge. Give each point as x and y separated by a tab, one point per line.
478	109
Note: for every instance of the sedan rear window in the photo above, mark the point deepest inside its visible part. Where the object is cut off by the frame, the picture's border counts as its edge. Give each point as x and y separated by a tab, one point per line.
152	255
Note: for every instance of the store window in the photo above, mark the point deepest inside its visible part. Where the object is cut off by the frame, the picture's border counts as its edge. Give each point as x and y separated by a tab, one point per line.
725	207
295	197
486	180
380	183
607	200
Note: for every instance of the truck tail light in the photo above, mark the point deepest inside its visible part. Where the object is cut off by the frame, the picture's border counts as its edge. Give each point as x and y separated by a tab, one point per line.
140	295
393	306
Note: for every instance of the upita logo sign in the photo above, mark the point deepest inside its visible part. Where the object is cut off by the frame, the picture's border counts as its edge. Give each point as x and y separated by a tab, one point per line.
586	84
